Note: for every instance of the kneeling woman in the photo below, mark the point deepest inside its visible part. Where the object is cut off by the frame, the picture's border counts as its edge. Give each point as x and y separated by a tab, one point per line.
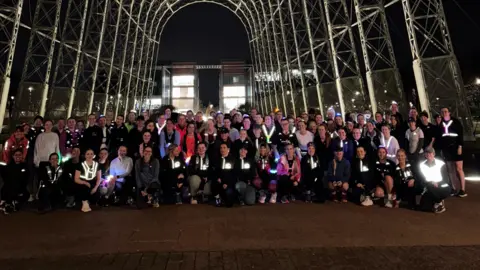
88	177
289	174
174	175
406	186
199	174
247	173
107	185
267	170
50	193
362	178
14	183
312	174
147	170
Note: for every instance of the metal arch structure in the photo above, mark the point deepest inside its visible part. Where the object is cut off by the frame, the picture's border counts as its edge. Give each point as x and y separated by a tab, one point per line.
9	25
384	83
248	20
434	62
303	53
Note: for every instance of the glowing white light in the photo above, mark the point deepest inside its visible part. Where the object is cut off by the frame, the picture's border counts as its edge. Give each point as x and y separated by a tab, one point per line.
30	88
357	93
12	97
288	92
474	178
477	81
119	95
66	157
204	118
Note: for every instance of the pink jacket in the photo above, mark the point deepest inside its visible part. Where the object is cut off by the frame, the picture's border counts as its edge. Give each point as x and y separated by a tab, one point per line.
283	167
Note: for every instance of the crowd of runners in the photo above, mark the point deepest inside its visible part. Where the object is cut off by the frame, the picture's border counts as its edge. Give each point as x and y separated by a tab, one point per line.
233	158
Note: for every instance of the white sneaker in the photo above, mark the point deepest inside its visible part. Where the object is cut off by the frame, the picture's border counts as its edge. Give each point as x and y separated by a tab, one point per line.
31	198
262	198
388	204
367	201
273	198
86	207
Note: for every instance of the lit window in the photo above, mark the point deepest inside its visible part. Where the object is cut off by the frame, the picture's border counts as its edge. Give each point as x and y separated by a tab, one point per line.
234	91
183	80
232	103
176	92
190	92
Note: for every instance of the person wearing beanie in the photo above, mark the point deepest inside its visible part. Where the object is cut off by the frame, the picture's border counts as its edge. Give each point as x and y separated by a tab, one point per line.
434	176
430	131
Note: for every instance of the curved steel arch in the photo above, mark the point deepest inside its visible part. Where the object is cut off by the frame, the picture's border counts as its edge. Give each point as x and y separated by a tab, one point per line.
253	28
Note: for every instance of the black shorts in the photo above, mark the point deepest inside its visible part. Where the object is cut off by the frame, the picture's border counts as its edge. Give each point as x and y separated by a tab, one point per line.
451	154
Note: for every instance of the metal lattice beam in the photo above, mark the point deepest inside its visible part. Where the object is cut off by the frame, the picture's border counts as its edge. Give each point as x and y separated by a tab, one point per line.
434	63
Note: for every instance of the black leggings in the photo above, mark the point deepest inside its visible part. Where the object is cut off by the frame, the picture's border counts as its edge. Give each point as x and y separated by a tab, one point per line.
286	187
84	193
49	195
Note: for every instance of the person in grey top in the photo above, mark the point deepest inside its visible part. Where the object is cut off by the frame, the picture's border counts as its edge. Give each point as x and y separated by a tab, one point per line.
147	170
413	141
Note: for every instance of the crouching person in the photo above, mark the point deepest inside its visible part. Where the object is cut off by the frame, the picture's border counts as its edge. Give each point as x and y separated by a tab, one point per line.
199	173
289	174
384	173
88	177
49	192
266	170
362	178
338	176
312	174
14	183
68	175
246	173
121	171
435	178
174	175
406	185
147	170
223	187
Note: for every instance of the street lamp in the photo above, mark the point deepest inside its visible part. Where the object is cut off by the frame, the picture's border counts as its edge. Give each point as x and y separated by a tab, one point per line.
30	88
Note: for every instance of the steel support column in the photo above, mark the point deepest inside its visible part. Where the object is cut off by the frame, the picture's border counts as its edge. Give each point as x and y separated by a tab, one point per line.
65	73
296	33
434	62
38	62
8	41
345	61
286	52
97	25
117	20
383	78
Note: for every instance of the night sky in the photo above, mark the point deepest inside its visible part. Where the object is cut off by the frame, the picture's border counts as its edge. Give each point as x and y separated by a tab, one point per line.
209	33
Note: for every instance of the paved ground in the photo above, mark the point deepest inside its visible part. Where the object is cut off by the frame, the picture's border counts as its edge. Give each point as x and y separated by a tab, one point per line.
295	236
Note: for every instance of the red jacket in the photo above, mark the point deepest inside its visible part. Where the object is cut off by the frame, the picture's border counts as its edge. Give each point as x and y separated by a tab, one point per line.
11	145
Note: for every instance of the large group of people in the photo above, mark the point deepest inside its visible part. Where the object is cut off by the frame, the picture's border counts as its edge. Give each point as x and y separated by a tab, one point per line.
234	158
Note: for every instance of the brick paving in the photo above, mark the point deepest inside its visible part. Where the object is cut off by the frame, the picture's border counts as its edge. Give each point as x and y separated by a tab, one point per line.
464	257
295	236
